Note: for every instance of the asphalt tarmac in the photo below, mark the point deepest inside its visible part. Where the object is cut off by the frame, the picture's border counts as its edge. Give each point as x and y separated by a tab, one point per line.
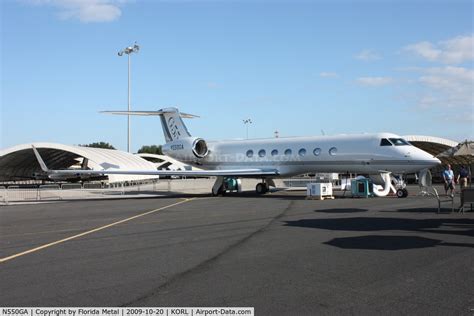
279	253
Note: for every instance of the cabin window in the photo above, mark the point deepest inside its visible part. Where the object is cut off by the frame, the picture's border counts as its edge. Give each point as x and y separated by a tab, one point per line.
385	142
317	151
274	152
333	151
261	153
249	153
288	152
399	142
302	152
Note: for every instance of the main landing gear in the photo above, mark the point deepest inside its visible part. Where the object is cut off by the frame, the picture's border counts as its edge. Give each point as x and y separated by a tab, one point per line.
226	184
218	188
262	188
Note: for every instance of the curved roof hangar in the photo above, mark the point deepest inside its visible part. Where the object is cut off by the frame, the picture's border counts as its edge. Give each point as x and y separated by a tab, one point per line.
19	162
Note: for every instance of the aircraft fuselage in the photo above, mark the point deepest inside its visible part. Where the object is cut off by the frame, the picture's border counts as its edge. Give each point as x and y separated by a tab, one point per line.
363	153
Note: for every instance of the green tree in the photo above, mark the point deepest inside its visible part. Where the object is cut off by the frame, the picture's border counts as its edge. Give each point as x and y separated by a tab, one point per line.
152	149
99	145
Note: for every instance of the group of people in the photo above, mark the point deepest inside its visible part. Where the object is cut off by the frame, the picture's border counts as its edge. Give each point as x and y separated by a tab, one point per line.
450	181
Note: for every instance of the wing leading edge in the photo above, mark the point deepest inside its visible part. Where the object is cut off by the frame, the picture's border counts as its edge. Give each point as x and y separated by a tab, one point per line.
191	173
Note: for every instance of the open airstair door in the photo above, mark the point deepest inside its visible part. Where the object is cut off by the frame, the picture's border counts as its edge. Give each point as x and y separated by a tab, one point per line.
425	181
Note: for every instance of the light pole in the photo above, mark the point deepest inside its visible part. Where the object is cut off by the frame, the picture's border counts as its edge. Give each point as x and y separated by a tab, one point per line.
128	50
247	122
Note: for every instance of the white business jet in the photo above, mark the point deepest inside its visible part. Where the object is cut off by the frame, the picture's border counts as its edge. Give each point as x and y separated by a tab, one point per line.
377	155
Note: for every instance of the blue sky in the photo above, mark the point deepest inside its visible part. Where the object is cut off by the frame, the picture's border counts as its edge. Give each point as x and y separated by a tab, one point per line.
299	67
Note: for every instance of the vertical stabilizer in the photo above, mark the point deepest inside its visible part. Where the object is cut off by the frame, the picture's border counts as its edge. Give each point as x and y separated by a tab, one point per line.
173	125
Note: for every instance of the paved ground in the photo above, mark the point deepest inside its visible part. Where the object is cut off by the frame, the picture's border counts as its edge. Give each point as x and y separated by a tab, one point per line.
279	253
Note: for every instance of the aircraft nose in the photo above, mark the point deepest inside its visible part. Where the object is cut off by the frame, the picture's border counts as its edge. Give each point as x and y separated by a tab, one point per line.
427	159
431	160
435	161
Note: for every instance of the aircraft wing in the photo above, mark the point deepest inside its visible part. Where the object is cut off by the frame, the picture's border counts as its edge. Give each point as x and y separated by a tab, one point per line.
189	173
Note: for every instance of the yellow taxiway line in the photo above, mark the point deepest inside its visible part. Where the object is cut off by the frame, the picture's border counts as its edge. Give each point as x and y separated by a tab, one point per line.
90	231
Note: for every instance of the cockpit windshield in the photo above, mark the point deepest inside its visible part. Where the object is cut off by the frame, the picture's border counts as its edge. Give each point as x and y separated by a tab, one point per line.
393	142
399	142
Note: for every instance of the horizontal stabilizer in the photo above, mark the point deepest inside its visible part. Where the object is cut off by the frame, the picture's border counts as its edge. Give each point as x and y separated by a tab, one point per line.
148	113
171	121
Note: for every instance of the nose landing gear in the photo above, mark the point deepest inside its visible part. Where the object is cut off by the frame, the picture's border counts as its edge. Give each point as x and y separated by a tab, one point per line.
402	193
400	186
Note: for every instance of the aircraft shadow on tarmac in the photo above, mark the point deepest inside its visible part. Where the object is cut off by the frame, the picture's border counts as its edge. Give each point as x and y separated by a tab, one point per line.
342	210
282	195
451	226
380	242
419	210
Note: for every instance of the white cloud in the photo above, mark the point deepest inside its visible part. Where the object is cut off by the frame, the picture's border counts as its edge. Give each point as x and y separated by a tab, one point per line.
464	118
213	85
456	79
444	87
328	74
367	55
448	86
426	101
85	11
453	51
374	81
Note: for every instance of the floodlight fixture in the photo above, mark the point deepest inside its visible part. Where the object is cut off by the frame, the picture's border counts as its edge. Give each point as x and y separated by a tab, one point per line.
246	123
129	50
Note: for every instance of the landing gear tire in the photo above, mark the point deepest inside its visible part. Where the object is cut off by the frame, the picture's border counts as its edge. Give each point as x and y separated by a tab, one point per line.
261	188
402	193
219	192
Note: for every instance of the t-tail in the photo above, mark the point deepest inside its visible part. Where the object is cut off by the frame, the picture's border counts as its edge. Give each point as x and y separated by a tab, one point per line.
171	121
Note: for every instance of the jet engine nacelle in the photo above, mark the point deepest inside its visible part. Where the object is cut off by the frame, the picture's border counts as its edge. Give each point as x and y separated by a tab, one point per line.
188	148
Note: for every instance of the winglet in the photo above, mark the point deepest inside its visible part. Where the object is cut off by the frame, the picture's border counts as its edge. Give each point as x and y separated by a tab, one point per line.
40	160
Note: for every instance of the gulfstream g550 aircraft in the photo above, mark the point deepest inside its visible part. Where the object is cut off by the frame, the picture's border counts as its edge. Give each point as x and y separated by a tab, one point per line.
378	155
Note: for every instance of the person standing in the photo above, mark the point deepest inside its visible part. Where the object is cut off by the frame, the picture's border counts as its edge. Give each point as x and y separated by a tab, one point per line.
463	177
448	177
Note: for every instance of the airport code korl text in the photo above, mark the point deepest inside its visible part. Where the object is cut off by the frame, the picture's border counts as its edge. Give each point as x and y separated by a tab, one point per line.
131	311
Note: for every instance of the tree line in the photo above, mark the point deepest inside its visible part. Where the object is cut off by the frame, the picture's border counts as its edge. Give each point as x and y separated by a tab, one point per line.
148	149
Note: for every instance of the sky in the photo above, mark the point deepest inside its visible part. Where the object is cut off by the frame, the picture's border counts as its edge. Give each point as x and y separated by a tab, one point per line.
301	68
